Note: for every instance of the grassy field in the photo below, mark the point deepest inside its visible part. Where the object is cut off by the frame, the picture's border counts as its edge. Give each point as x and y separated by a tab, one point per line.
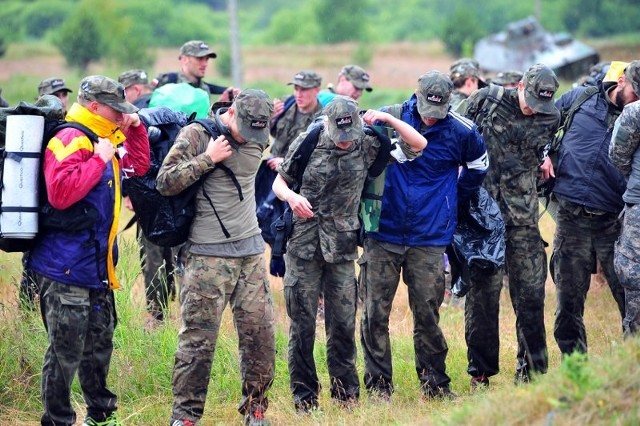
142	366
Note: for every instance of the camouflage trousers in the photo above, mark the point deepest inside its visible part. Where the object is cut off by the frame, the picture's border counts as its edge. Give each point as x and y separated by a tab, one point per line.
423	273
79	323
209	284
581	239
303	281
158	266
627	266
526	263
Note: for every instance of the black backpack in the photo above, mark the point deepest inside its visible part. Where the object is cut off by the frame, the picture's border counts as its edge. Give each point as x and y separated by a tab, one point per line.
81	215
165	220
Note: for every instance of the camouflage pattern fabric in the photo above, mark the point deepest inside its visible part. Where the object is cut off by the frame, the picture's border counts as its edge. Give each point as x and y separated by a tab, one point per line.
209	284
166	78
106	91
302	284
159	280
627	266
527	266
514	143
582	237
332	182
624	147
80	323
457	97
423	273
287	128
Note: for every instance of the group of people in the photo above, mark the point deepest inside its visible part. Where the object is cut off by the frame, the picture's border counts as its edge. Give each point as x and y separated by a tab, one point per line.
455	134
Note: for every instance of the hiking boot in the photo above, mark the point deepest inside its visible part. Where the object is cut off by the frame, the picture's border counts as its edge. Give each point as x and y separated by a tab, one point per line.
479	382
522	377
256	418
111	420
306	407
440	392
182	423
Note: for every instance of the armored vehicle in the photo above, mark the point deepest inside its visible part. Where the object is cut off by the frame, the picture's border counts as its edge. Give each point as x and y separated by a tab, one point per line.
524	43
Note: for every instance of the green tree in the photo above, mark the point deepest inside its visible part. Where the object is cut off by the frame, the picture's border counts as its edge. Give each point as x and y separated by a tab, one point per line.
460	31
341	20
81	39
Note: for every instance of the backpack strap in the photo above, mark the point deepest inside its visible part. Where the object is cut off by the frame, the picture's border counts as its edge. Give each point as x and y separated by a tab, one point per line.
302	155
288	103
384	152
566	115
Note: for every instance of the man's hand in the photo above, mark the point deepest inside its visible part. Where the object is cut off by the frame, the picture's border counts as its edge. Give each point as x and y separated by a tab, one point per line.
278	107
132	120
229	94
547	169
104	149
300	205
219	149
274	162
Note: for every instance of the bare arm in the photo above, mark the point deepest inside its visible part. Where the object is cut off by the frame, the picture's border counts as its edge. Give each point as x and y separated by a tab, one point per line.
415	140
299	204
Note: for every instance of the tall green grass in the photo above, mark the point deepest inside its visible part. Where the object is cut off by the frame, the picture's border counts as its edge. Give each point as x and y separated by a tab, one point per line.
598	389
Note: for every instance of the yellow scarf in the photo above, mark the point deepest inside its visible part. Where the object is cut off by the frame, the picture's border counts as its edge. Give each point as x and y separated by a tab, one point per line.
104	129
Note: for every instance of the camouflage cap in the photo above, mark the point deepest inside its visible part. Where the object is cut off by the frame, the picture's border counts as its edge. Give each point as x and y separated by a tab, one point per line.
131	77
306	79
343	121
197	48
508	78
106	91
253	108
357	76
50	86
465	68
632	73
540	86
434	91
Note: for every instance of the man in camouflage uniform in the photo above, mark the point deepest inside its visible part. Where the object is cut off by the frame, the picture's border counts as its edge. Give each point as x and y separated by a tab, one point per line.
194	58
57	87
418	217
288	124
624	152
352	81
224	257
589	192
157	262
465	74
515	133
323	245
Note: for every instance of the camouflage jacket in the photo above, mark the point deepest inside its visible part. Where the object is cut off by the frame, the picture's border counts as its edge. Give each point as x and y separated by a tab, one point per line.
332	182
624	150
288	127
457	97
514	142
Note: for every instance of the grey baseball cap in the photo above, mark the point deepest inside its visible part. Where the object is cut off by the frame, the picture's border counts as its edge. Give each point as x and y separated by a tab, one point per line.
511	77
197	48
343	121
52	85
434	91
540	86
632	73
106	91
465	68
253	108
131	77
306	79
357	76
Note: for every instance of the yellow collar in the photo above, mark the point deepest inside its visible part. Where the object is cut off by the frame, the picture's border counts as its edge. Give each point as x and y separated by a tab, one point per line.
100	125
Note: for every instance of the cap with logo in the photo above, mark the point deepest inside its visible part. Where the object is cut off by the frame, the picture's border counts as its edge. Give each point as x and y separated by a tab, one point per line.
632	73
434	91
106	91
131	77
253	108
465	68
306	79
540	86
505	78
343	121
50	86
197	48
357	76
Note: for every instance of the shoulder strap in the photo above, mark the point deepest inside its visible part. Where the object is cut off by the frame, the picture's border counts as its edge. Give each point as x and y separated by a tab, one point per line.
384	152
288	103
304	151
84	129
496	92
567	116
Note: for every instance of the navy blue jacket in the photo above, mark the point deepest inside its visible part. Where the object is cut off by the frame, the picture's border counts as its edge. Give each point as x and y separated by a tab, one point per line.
584	173
420	199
